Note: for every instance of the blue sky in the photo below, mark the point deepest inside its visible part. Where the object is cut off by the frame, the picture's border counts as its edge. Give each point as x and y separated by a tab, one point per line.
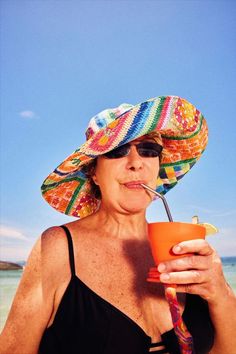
64	61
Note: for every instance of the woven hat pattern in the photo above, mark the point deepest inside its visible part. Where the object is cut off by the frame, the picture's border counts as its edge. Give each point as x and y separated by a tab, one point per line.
184	135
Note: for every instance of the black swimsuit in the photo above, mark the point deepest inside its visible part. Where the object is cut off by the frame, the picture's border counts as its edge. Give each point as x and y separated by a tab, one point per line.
85	323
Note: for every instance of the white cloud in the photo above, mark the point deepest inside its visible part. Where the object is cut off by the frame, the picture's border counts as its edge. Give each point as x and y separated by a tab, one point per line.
224	242
226	213
201	209
28	114
213	212
12	233
14	253
227	232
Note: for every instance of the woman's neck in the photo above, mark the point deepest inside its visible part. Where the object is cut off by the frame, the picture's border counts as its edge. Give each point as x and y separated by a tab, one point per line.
123	226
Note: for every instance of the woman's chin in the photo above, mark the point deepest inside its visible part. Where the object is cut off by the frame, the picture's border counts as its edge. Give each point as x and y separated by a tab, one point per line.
135	206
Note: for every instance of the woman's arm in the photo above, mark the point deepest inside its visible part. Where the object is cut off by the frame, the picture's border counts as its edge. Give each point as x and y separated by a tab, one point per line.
34	300
201	274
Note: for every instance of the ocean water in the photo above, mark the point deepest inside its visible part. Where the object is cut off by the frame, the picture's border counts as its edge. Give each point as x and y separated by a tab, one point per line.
229	267
9	280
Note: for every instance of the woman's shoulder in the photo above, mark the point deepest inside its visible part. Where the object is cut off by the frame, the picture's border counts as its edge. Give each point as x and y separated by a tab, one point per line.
54	241
54	252
54	238
51	235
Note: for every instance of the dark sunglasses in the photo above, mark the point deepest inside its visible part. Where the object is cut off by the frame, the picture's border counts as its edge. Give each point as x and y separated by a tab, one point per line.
145	149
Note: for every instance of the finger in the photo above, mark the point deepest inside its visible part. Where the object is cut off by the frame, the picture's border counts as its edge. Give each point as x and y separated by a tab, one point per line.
199	246
190	289
185	277
184	263
196	289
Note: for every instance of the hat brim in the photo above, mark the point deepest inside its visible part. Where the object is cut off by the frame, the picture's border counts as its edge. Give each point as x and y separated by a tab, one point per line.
184	134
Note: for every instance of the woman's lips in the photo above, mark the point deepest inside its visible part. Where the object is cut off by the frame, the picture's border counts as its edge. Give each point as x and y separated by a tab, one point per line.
134	184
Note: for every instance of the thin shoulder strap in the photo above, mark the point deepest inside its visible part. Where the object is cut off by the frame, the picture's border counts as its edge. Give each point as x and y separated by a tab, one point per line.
71	250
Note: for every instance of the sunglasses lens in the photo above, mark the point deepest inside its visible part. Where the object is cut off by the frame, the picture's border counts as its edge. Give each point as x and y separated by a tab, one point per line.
145	149
149	149
121	151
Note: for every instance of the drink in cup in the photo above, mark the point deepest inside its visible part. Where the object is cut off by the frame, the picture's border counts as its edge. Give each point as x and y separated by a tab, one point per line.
163	236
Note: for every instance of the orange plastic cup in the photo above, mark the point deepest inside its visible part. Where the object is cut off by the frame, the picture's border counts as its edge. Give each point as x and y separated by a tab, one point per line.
163	236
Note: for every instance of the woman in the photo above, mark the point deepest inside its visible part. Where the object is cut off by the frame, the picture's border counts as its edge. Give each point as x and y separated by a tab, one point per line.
84	288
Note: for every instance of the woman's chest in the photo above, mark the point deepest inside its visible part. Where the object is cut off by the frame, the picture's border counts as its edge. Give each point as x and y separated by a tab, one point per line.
121	281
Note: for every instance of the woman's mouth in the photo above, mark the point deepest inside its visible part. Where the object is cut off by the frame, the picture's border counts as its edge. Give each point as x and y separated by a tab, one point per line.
133	185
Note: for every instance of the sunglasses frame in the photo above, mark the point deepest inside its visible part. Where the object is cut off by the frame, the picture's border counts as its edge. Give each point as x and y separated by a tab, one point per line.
125	150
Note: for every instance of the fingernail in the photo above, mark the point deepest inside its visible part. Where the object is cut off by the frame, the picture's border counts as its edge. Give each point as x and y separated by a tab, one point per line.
161	267
164	277
177	249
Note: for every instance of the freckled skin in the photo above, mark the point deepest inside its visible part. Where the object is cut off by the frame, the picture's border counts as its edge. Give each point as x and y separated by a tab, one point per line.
112	246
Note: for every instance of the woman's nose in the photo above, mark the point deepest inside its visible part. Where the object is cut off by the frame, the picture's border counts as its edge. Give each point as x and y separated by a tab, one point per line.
134	160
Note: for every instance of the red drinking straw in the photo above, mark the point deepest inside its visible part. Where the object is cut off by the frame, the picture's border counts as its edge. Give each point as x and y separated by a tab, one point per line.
184	337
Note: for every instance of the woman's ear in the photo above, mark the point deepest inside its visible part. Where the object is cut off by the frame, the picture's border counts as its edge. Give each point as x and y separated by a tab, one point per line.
94	178
90	171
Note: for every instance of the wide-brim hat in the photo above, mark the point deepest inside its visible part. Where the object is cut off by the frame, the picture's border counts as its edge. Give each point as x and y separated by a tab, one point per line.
184	135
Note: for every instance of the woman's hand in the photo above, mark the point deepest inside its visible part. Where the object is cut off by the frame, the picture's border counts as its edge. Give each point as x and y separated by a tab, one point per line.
198	273
201	273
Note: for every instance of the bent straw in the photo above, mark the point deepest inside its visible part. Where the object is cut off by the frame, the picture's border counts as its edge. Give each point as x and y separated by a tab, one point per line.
184	337
162	198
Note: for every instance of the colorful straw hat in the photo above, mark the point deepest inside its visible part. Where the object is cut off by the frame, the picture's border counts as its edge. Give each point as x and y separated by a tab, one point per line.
184	134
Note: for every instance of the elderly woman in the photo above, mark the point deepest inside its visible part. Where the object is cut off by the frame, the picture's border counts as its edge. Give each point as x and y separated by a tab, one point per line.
84	289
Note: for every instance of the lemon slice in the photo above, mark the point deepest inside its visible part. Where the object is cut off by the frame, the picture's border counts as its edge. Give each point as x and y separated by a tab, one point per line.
210	229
